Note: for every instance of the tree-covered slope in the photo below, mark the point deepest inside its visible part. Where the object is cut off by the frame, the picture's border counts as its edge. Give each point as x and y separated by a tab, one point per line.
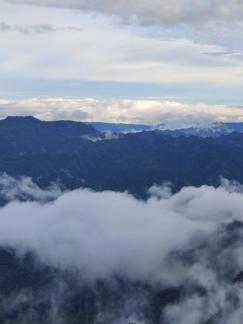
60	151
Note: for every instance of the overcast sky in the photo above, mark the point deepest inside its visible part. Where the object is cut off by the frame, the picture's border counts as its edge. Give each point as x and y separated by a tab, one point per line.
102	49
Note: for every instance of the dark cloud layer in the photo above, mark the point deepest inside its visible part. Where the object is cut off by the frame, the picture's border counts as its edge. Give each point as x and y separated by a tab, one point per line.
148	11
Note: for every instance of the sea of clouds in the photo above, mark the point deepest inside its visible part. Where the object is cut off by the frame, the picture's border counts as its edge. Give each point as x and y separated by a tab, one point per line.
102	235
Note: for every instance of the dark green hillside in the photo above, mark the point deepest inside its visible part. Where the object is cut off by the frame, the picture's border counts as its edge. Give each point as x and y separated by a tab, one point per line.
50	151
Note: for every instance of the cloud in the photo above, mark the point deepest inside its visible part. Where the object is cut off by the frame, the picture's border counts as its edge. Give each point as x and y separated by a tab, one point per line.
24	189
170	113
191	240
147	11
168	55
35	29
84	230
108	233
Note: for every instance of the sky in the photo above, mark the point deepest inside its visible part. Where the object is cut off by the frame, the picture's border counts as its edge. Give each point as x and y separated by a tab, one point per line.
165	53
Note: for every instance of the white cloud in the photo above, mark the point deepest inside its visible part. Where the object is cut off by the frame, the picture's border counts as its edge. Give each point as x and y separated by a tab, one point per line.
189	239
109	233
85	47
170	113
24	189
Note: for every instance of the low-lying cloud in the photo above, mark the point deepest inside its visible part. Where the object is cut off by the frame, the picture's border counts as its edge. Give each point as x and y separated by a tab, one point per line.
191	240
111	233
25	189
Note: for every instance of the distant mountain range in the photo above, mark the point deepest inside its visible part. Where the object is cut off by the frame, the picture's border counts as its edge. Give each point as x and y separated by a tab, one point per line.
213	130
119	128
76	154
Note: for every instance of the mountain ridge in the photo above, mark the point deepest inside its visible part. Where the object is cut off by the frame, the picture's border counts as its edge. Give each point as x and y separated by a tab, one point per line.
56	151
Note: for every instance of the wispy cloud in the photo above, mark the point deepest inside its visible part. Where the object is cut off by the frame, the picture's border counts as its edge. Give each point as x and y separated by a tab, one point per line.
36	29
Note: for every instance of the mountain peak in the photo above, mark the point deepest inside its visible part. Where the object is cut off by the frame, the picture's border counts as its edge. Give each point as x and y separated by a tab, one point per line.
21	118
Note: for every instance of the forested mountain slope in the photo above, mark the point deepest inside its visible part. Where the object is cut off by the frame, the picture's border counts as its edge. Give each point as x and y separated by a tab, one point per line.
61	151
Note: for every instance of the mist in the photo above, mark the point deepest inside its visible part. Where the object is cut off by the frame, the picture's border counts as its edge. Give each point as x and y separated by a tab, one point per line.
191	240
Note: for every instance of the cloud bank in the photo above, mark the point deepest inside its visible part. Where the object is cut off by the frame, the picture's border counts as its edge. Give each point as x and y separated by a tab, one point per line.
191	240
109	233
171	113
